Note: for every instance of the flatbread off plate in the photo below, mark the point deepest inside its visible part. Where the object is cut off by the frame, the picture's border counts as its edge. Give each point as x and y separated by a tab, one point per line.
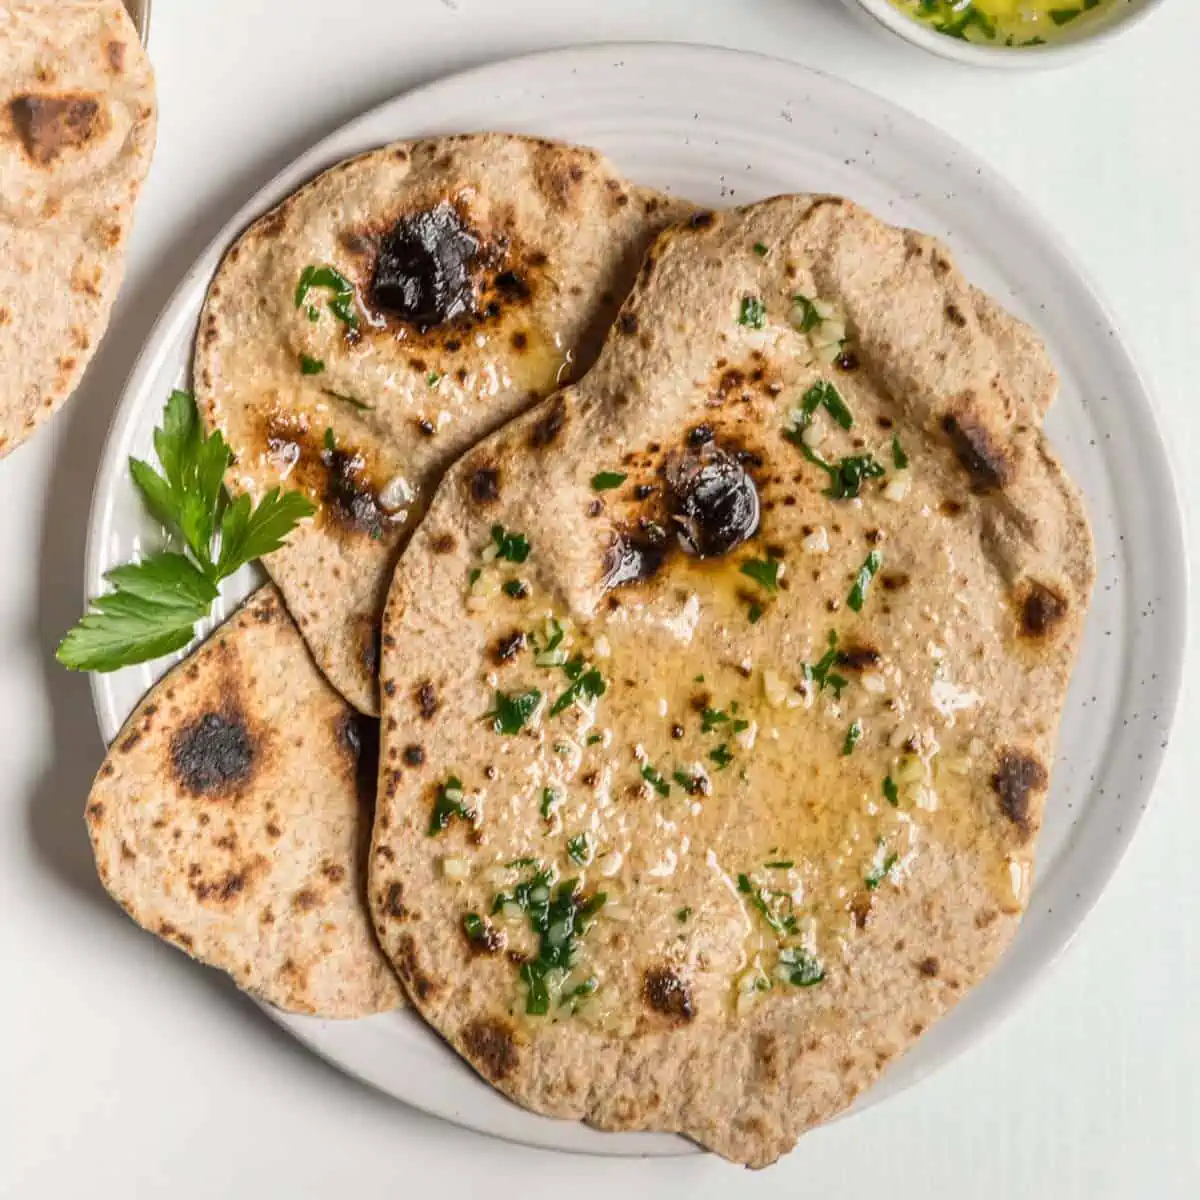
773	969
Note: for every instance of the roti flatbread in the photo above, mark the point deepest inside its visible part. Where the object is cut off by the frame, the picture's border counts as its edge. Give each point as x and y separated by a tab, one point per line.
727	785
77	121
471	275
231	818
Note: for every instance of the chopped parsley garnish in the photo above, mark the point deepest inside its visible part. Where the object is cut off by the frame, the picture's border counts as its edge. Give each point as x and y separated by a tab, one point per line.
858	593
518	589
311	366
474	575
682	914
753	312
474	926
655	780
803	969
342	304
516	864
550	801
512	547
853	737
781	865
448	805
847	475
764	572
710	718
594	739
754	613
579	849
605	481
822	673
761	250
329	440
783	924
899	458
891	793
809	317
559	916
880	873
721	756
587	685
513	710
834	405
433	379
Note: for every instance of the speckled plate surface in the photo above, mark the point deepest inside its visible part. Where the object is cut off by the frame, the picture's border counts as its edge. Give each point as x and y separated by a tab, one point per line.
723	128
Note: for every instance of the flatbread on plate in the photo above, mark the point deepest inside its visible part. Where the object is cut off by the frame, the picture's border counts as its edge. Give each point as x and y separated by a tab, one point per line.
231	818
471	275
713	779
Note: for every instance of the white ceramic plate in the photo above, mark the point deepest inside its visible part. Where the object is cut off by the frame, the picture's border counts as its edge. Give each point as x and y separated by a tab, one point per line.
724	128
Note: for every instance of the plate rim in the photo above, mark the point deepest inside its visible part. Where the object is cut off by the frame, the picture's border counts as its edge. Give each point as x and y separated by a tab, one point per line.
1175	579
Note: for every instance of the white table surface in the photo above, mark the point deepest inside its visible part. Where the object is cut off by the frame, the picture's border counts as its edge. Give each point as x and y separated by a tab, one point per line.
127	1071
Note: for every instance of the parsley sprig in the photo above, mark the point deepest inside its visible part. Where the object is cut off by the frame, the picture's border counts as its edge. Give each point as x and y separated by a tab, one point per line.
155	603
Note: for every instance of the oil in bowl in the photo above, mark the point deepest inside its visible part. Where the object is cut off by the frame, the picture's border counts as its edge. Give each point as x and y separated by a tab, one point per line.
1005	22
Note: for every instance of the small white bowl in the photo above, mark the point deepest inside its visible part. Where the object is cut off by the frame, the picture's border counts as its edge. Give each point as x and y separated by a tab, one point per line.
1073	43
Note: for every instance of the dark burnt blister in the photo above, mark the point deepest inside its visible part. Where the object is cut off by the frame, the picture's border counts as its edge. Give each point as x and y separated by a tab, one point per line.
213	754
424	271
714	502
348	494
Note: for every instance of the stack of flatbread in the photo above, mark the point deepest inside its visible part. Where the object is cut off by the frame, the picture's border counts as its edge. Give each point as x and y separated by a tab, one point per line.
716	592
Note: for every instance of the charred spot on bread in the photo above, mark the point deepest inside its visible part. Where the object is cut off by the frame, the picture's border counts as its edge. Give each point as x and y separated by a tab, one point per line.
49	125
1018	775
668	993
1043	609
490	1045
978	451
423	273
214	754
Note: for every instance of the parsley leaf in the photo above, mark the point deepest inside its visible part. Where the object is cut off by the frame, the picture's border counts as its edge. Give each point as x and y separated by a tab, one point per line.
587	685
853	737
512	547
858	593
247	534
550	801
880	873
753	312
760	249
721	756
655	780
447	805
156	603
682	914
342	303
579	849
764	572
605	481
899	458
891	793
782	924
517	589
311	366
711	718
821	672
513	710
809	317
803	970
